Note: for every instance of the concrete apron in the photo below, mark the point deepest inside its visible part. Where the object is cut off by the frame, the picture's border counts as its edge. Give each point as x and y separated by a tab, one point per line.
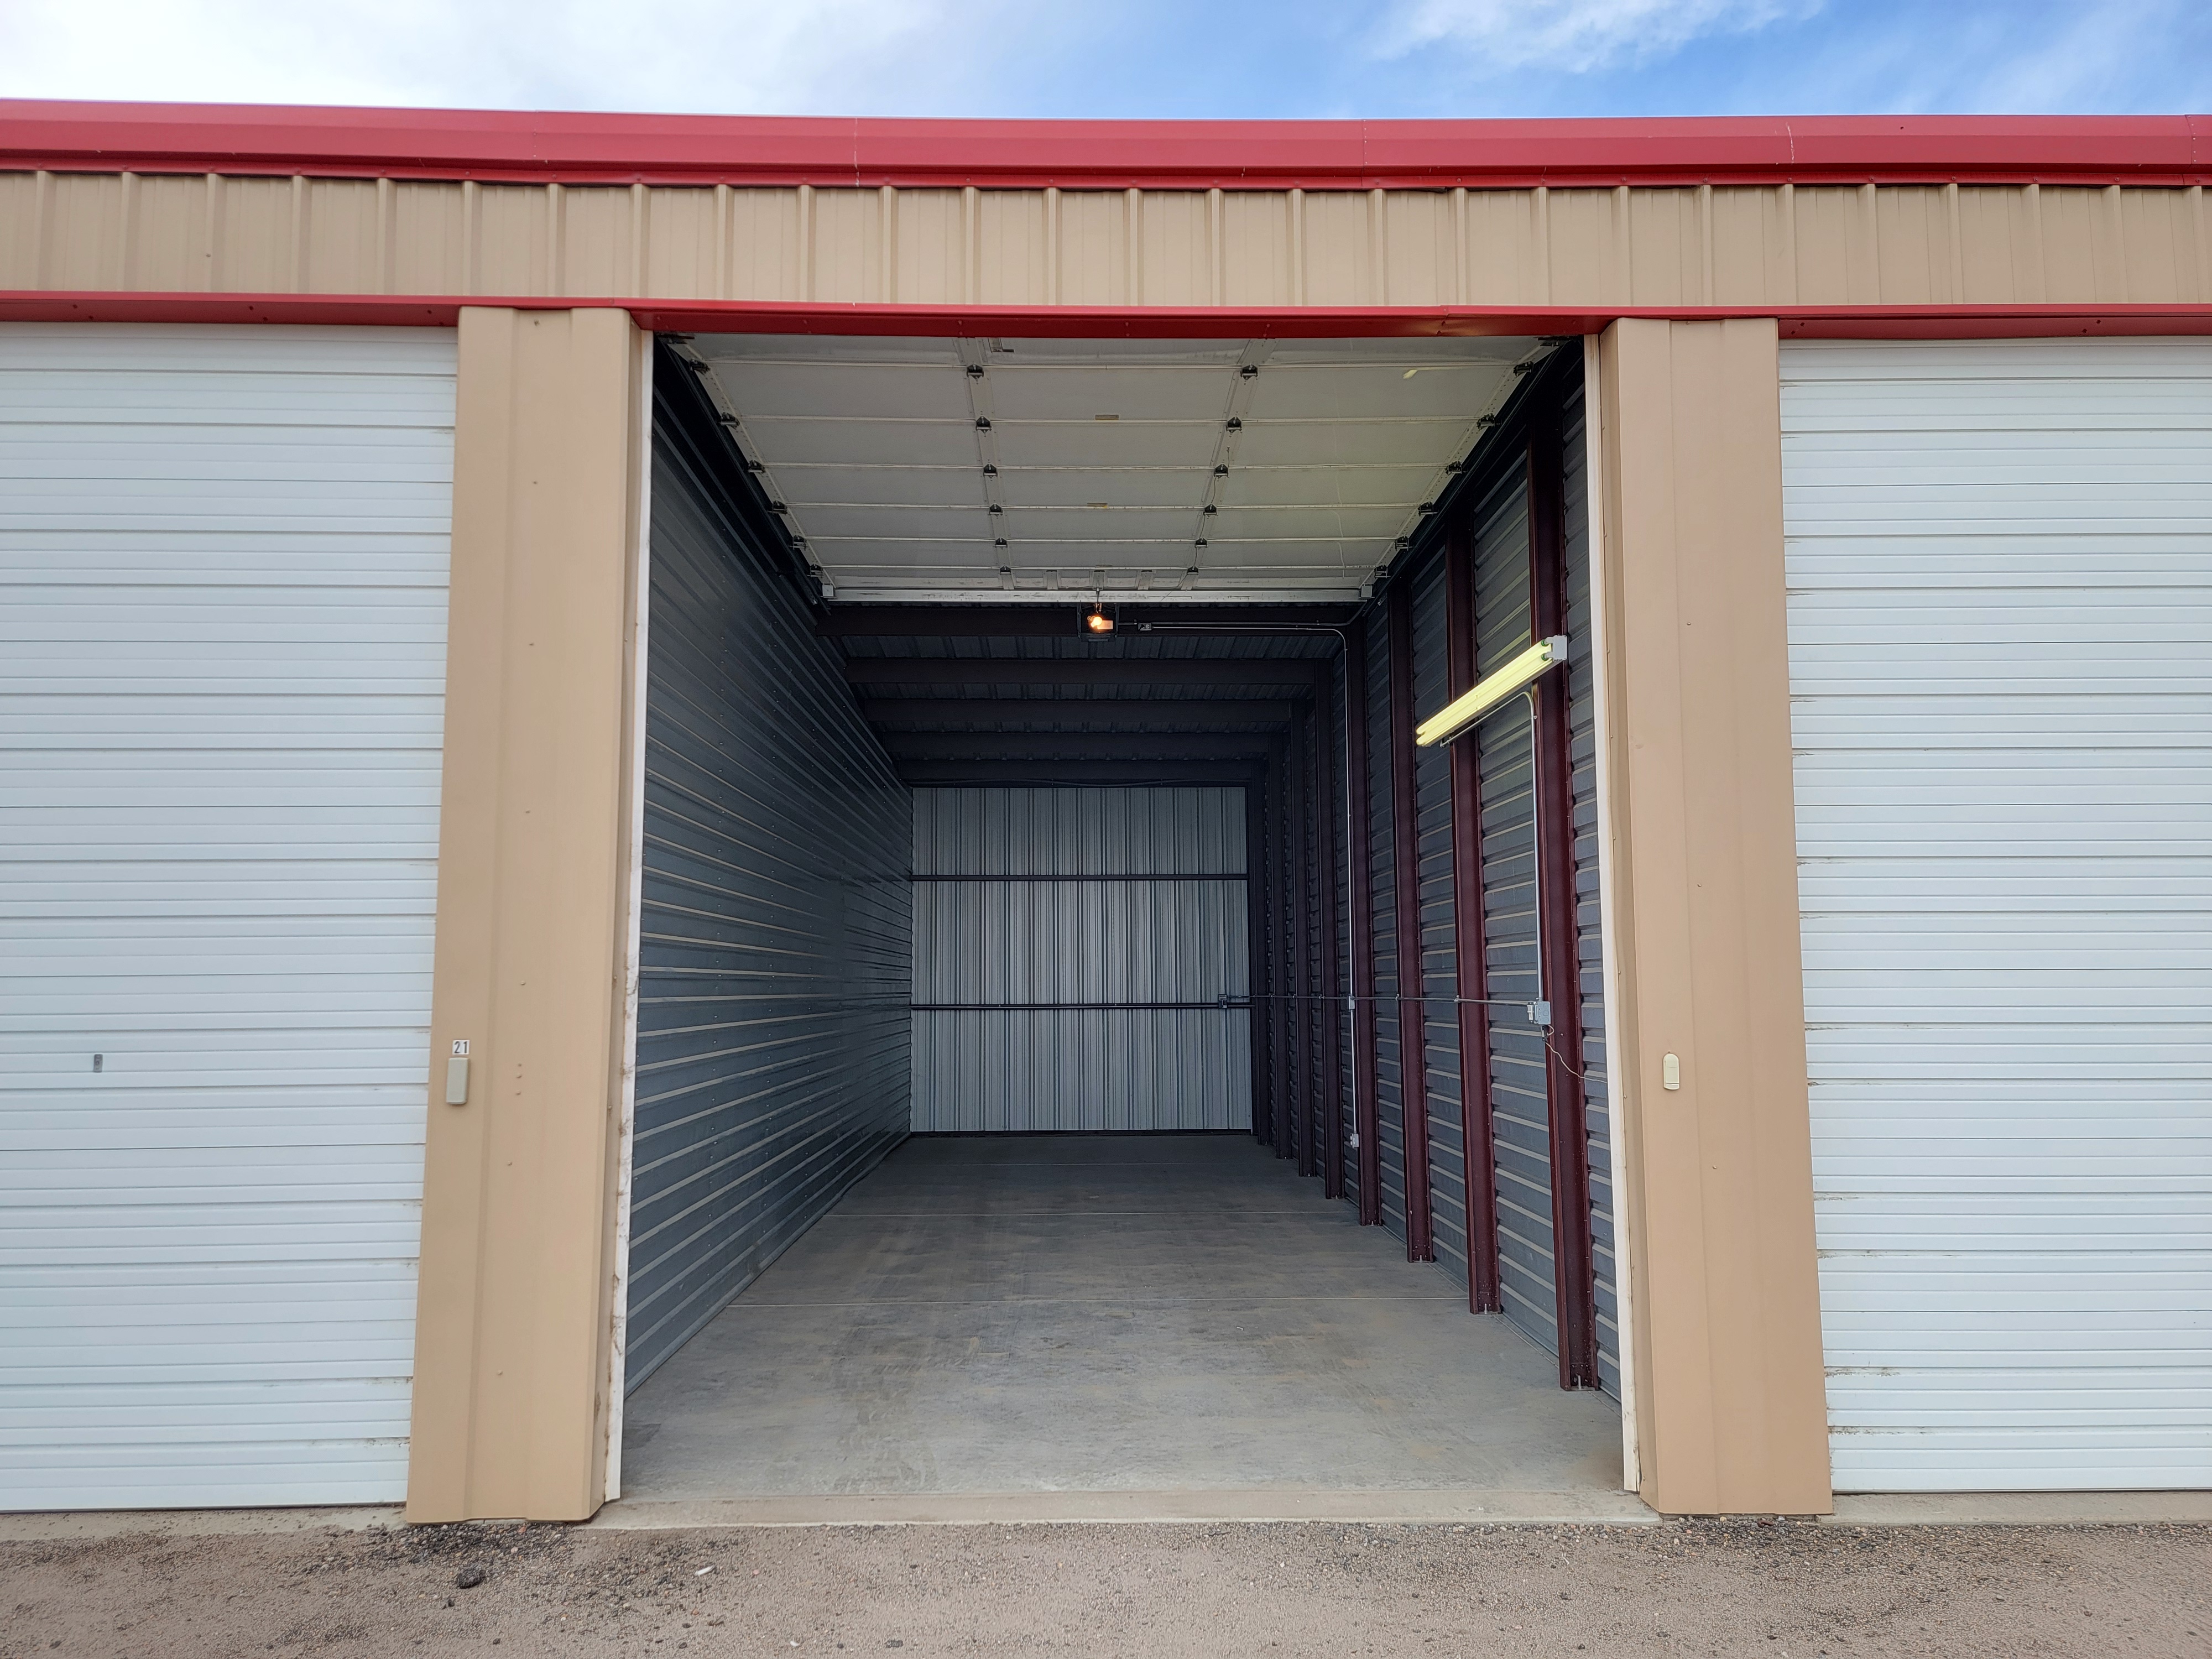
1491	1508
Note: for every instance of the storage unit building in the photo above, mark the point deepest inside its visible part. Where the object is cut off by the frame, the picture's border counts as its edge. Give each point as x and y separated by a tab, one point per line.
550	723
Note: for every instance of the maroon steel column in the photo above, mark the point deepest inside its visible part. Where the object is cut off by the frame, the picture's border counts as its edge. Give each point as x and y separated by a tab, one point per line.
1328	1005
1556	919
1405	867
1299	1105
1279	1046
1363	1069
1255	938
1471	945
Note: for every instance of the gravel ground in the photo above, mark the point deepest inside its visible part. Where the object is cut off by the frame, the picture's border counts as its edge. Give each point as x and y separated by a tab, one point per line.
1788	1590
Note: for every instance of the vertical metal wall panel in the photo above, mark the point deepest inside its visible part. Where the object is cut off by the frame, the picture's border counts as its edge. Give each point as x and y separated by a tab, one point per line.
224	555
1076	932
776	945
1999	556
1390	1136
1582	687
1519	1108
1439	953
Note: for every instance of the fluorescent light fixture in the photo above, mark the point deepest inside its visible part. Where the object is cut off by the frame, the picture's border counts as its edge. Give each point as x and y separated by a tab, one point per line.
1485	695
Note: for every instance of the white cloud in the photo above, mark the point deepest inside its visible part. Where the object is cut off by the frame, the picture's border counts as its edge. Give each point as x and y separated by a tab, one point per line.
841	56
1575	36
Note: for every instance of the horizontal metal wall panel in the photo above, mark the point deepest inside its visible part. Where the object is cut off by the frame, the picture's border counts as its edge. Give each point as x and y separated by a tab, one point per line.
1520	1110
1439	948
1382	863
1024	897
224	554
1589	947
2000	588
776	949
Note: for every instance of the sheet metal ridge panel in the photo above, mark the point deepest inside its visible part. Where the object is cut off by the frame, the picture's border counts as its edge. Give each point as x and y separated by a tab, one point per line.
223	641
1439	956
2000	612
1582	720
773	1046
1389	1114
1519	1110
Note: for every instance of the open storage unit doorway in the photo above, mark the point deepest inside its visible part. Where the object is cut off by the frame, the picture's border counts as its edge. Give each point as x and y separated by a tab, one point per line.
1029	1091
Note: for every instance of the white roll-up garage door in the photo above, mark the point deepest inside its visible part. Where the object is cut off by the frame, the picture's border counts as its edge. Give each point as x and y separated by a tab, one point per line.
222	614
2000	567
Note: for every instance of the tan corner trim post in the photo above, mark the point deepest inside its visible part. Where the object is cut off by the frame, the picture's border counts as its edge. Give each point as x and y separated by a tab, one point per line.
1731	1408
514	1327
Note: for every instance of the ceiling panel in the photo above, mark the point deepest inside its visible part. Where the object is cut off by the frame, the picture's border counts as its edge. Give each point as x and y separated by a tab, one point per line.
904	391
1330	447
1335	486
856	443
806	486
1115	487
1108	525
825	523
1108	443
1019	392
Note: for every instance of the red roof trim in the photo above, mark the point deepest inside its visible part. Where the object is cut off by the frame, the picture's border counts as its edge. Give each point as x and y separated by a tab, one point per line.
586	148
1109	322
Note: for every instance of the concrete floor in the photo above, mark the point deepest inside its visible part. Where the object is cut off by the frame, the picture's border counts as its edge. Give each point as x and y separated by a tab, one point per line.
1108	1315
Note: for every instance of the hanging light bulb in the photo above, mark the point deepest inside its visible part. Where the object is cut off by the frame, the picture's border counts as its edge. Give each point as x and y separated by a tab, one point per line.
1098	622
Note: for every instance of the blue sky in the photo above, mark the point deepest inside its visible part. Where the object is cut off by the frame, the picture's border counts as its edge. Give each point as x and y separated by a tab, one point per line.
1128	58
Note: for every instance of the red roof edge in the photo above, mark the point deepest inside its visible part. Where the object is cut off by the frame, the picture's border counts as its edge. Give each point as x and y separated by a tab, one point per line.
590	148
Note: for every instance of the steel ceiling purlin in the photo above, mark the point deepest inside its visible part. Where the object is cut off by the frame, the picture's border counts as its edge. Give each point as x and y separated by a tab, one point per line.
1007	622
1133	673
1075	745
1206	713
1076	775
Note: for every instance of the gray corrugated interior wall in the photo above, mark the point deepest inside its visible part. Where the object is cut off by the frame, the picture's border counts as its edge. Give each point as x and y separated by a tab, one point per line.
776	943
1520	1120
1123	895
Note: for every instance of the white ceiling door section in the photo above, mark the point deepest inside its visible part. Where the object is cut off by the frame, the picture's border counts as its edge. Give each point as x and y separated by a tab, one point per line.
2000	569
223	561
1018	469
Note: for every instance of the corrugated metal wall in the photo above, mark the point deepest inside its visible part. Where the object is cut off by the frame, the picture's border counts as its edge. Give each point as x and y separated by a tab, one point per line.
1439	959
1582	720
1521	1152
776	947
1390	1099
1057	902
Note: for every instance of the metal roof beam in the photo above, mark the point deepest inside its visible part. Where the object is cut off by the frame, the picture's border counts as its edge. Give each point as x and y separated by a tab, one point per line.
1078	746
1130	672
1078	774
1199	714
1024	622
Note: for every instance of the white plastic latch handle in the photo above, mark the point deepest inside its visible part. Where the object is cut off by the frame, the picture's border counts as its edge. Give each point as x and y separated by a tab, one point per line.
1670	1070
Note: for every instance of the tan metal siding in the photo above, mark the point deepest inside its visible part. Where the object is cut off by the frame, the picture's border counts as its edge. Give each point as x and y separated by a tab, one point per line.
1735	246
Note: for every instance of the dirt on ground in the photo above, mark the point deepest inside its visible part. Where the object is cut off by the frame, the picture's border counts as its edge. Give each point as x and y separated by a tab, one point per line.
1786	1590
